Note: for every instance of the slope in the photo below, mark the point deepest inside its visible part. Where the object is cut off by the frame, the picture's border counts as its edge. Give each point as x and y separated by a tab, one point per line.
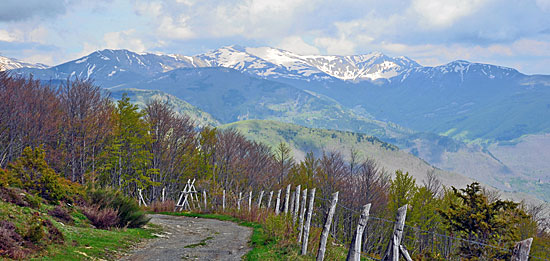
229	96
142	97
302	140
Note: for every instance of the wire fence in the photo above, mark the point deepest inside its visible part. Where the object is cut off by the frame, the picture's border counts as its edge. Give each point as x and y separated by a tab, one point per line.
426	243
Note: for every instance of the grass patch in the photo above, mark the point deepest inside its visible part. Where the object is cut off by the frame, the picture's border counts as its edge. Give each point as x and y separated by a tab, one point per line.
80	240
89	243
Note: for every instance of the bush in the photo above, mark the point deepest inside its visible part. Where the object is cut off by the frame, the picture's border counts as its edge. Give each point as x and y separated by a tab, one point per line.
61	214
54	235
33	200
101	218
7	180
33	174
35	234
129	213
14	195
10	241
159	206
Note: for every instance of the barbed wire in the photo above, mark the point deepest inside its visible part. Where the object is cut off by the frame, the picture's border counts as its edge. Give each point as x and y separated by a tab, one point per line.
509	250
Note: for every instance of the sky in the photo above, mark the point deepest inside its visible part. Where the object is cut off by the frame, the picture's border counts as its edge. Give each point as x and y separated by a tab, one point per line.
432	32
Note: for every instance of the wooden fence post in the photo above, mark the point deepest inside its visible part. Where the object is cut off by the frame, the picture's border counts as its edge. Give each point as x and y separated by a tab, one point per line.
250	201
287	198
354	253
302	215
521	250
326	228
278	203
308	221
296	204
239	201
204	198
260	199
392	253
269	201
223	200
291	207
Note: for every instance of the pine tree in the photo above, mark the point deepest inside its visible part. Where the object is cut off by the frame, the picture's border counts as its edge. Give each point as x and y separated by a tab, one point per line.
476	218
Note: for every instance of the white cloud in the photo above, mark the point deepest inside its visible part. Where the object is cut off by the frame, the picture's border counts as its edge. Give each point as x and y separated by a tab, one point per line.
544	5
443	13
175	29
124	40
297	45
6	36
336	46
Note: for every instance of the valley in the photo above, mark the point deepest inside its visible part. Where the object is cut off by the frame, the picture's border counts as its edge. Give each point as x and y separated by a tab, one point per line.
457	117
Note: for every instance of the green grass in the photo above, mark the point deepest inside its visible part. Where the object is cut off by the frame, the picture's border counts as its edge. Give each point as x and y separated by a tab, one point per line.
88	243
80	240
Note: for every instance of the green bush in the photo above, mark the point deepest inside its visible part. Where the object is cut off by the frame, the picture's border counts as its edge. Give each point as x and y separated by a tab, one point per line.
33	200
129	213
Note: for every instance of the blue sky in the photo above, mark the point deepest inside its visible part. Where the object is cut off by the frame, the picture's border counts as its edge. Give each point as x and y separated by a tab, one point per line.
432	32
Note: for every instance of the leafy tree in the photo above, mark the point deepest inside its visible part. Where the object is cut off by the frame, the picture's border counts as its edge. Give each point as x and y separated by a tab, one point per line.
476	218
402	189
283	160
128	158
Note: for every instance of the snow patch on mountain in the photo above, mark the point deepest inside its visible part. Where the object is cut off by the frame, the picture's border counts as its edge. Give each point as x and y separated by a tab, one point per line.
10	64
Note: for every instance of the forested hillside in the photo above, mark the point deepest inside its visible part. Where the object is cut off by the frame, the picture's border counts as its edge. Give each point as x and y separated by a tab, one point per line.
84	139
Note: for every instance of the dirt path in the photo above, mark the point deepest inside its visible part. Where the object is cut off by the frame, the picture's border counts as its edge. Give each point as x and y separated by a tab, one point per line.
186	238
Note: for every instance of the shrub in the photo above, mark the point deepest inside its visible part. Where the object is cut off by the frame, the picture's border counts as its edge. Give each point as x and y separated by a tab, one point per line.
36	232
54	235
14	196
35	176
7	180
10	241
129	213
159	206
101	218
61	214
33	200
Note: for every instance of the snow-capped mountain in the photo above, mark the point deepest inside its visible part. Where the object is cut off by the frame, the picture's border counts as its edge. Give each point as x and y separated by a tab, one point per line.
10	64
276	63
459	70
114	67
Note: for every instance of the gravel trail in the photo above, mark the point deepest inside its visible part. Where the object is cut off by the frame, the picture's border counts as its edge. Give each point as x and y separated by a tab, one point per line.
186	238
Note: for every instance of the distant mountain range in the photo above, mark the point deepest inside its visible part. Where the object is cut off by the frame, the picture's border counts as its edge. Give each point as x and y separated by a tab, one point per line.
451	115
10	64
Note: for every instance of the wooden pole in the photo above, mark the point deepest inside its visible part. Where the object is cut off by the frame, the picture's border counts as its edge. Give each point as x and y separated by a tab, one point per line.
270	198
296	204
308	221
287	198
249	201
204	199
521	250
239	201
223	200
302	215
291	207
260	199
405	253
326	228
278	203
163	189
392	253
354	253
